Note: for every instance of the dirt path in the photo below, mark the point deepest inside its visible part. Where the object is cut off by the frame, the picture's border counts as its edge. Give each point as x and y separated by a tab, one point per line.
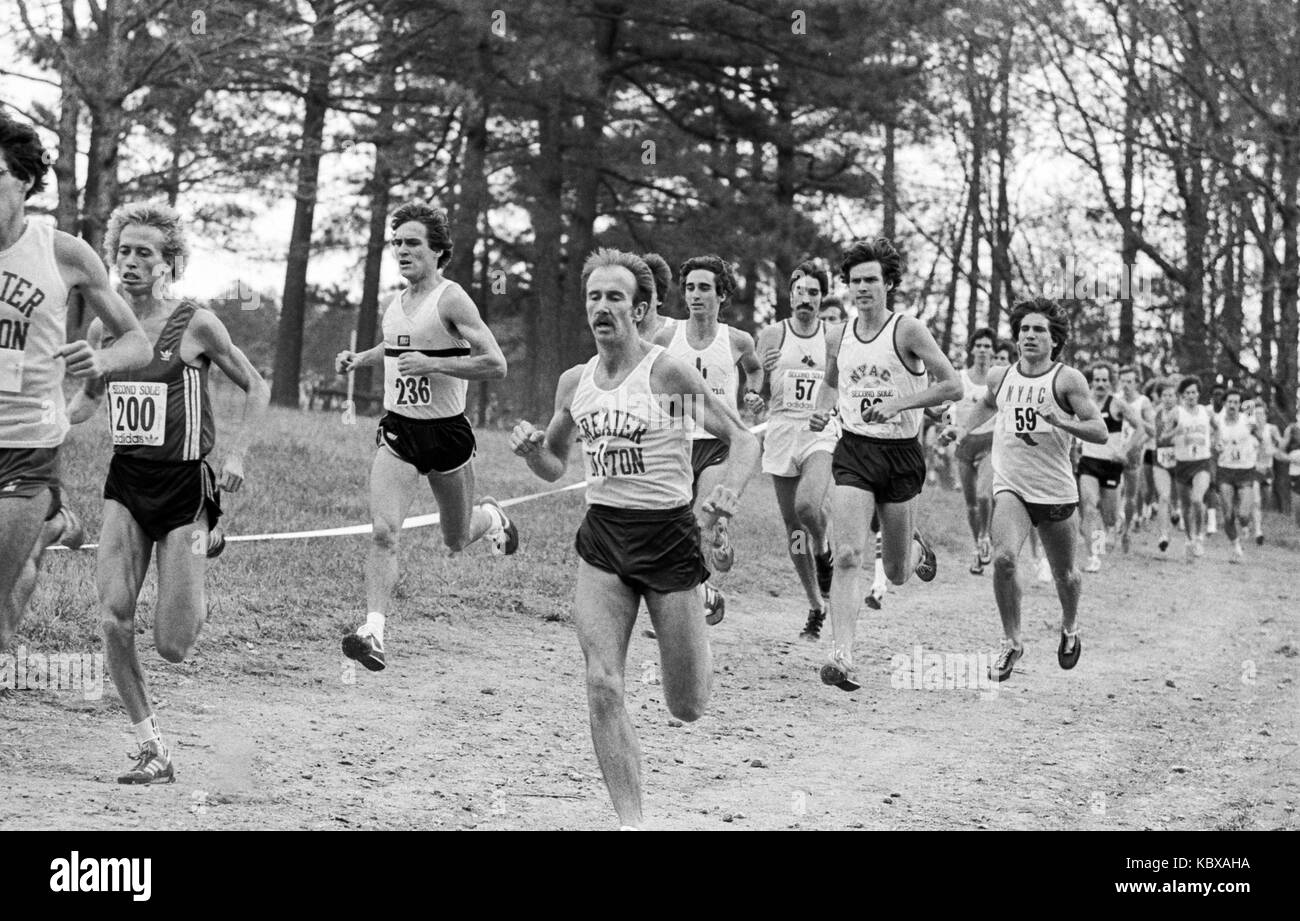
1182	714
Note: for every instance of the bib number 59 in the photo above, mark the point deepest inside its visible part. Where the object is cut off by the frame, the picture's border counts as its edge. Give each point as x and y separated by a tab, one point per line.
1026	419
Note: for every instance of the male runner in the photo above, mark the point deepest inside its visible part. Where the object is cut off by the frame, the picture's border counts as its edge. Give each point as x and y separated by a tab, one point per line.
974	454
434	343
39	268
1101	466
1041	406
654	322
799	460
715	350
1238	452
877	381
1135	486
161	497
1006	355
832	310
1195	435
639	538
1165	421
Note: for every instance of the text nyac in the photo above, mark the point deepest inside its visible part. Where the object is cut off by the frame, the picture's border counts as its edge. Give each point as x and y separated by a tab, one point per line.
103	874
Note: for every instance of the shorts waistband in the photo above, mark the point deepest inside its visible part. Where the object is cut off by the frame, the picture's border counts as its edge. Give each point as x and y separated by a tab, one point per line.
154	463
407	420
639	514
872	439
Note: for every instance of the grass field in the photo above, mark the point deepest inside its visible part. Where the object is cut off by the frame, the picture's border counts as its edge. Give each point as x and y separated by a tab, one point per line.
480	720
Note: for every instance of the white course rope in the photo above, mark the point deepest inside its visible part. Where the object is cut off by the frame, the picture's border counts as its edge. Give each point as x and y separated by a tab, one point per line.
419	521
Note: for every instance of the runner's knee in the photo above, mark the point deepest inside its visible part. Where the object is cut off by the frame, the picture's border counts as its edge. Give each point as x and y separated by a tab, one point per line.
806	510
604	686
385	535
848	558
1005	562
689	709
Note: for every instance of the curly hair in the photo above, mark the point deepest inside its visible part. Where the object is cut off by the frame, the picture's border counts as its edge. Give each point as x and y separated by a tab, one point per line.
435	224
810	269
878	250
23	153
1058	320
163	217
617	258
723	276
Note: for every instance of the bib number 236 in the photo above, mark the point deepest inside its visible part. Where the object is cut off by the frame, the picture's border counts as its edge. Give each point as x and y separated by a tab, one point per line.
413	391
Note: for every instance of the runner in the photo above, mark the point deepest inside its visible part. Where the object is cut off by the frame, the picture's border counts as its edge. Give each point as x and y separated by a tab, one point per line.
974	460
1238	451
639	537
832	310
435	342
715	350
1290	449
161	497
1270	440
1101	466
876	381
1166	424
1218	395
799	460
654	322
1195	434
39	268
1138	458
1041	406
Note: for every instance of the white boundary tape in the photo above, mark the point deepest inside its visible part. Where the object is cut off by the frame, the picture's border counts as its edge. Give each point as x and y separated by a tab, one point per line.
419	521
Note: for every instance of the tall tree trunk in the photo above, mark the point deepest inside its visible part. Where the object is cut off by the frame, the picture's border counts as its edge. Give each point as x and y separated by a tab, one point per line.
973	203
1128	243
380	190
545	321
1289	277
1268	289
65	167
958	241
1229	334
293	310
783	197
1000	239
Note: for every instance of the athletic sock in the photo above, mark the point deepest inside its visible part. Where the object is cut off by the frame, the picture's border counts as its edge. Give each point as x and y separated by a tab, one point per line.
498	520
147	731
375	625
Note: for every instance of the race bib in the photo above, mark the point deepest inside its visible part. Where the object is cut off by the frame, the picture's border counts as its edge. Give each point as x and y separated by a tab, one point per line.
1023	420
800	389
1197	450
1165	457
137	413
412	391
11	370
870	396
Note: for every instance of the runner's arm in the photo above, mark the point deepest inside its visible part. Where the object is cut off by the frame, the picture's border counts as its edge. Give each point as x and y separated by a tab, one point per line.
1078	396
828	394
215	340
984	410
130	349
755	376
716	418
85	402
547	453
485	361
946	388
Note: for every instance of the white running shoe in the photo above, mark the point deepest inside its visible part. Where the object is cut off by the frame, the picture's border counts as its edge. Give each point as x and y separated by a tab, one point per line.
1198	546
1211	522
1237	553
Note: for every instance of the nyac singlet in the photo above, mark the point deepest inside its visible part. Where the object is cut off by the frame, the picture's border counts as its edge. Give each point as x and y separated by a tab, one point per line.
1031	458
33	320
636	453
421	329
871	371
162	412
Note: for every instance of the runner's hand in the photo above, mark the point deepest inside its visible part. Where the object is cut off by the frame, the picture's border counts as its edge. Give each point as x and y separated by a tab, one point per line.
1048	412
345	361
950	434
232	474
754	403
721	502
819	420
526	440
80	360
880	412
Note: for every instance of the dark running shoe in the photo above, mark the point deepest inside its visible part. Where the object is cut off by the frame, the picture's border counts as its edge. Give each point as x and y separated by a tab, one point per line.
839	674
813	629
1067	660
927	567
715	606
1002	667
152	765
825	571
365	649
